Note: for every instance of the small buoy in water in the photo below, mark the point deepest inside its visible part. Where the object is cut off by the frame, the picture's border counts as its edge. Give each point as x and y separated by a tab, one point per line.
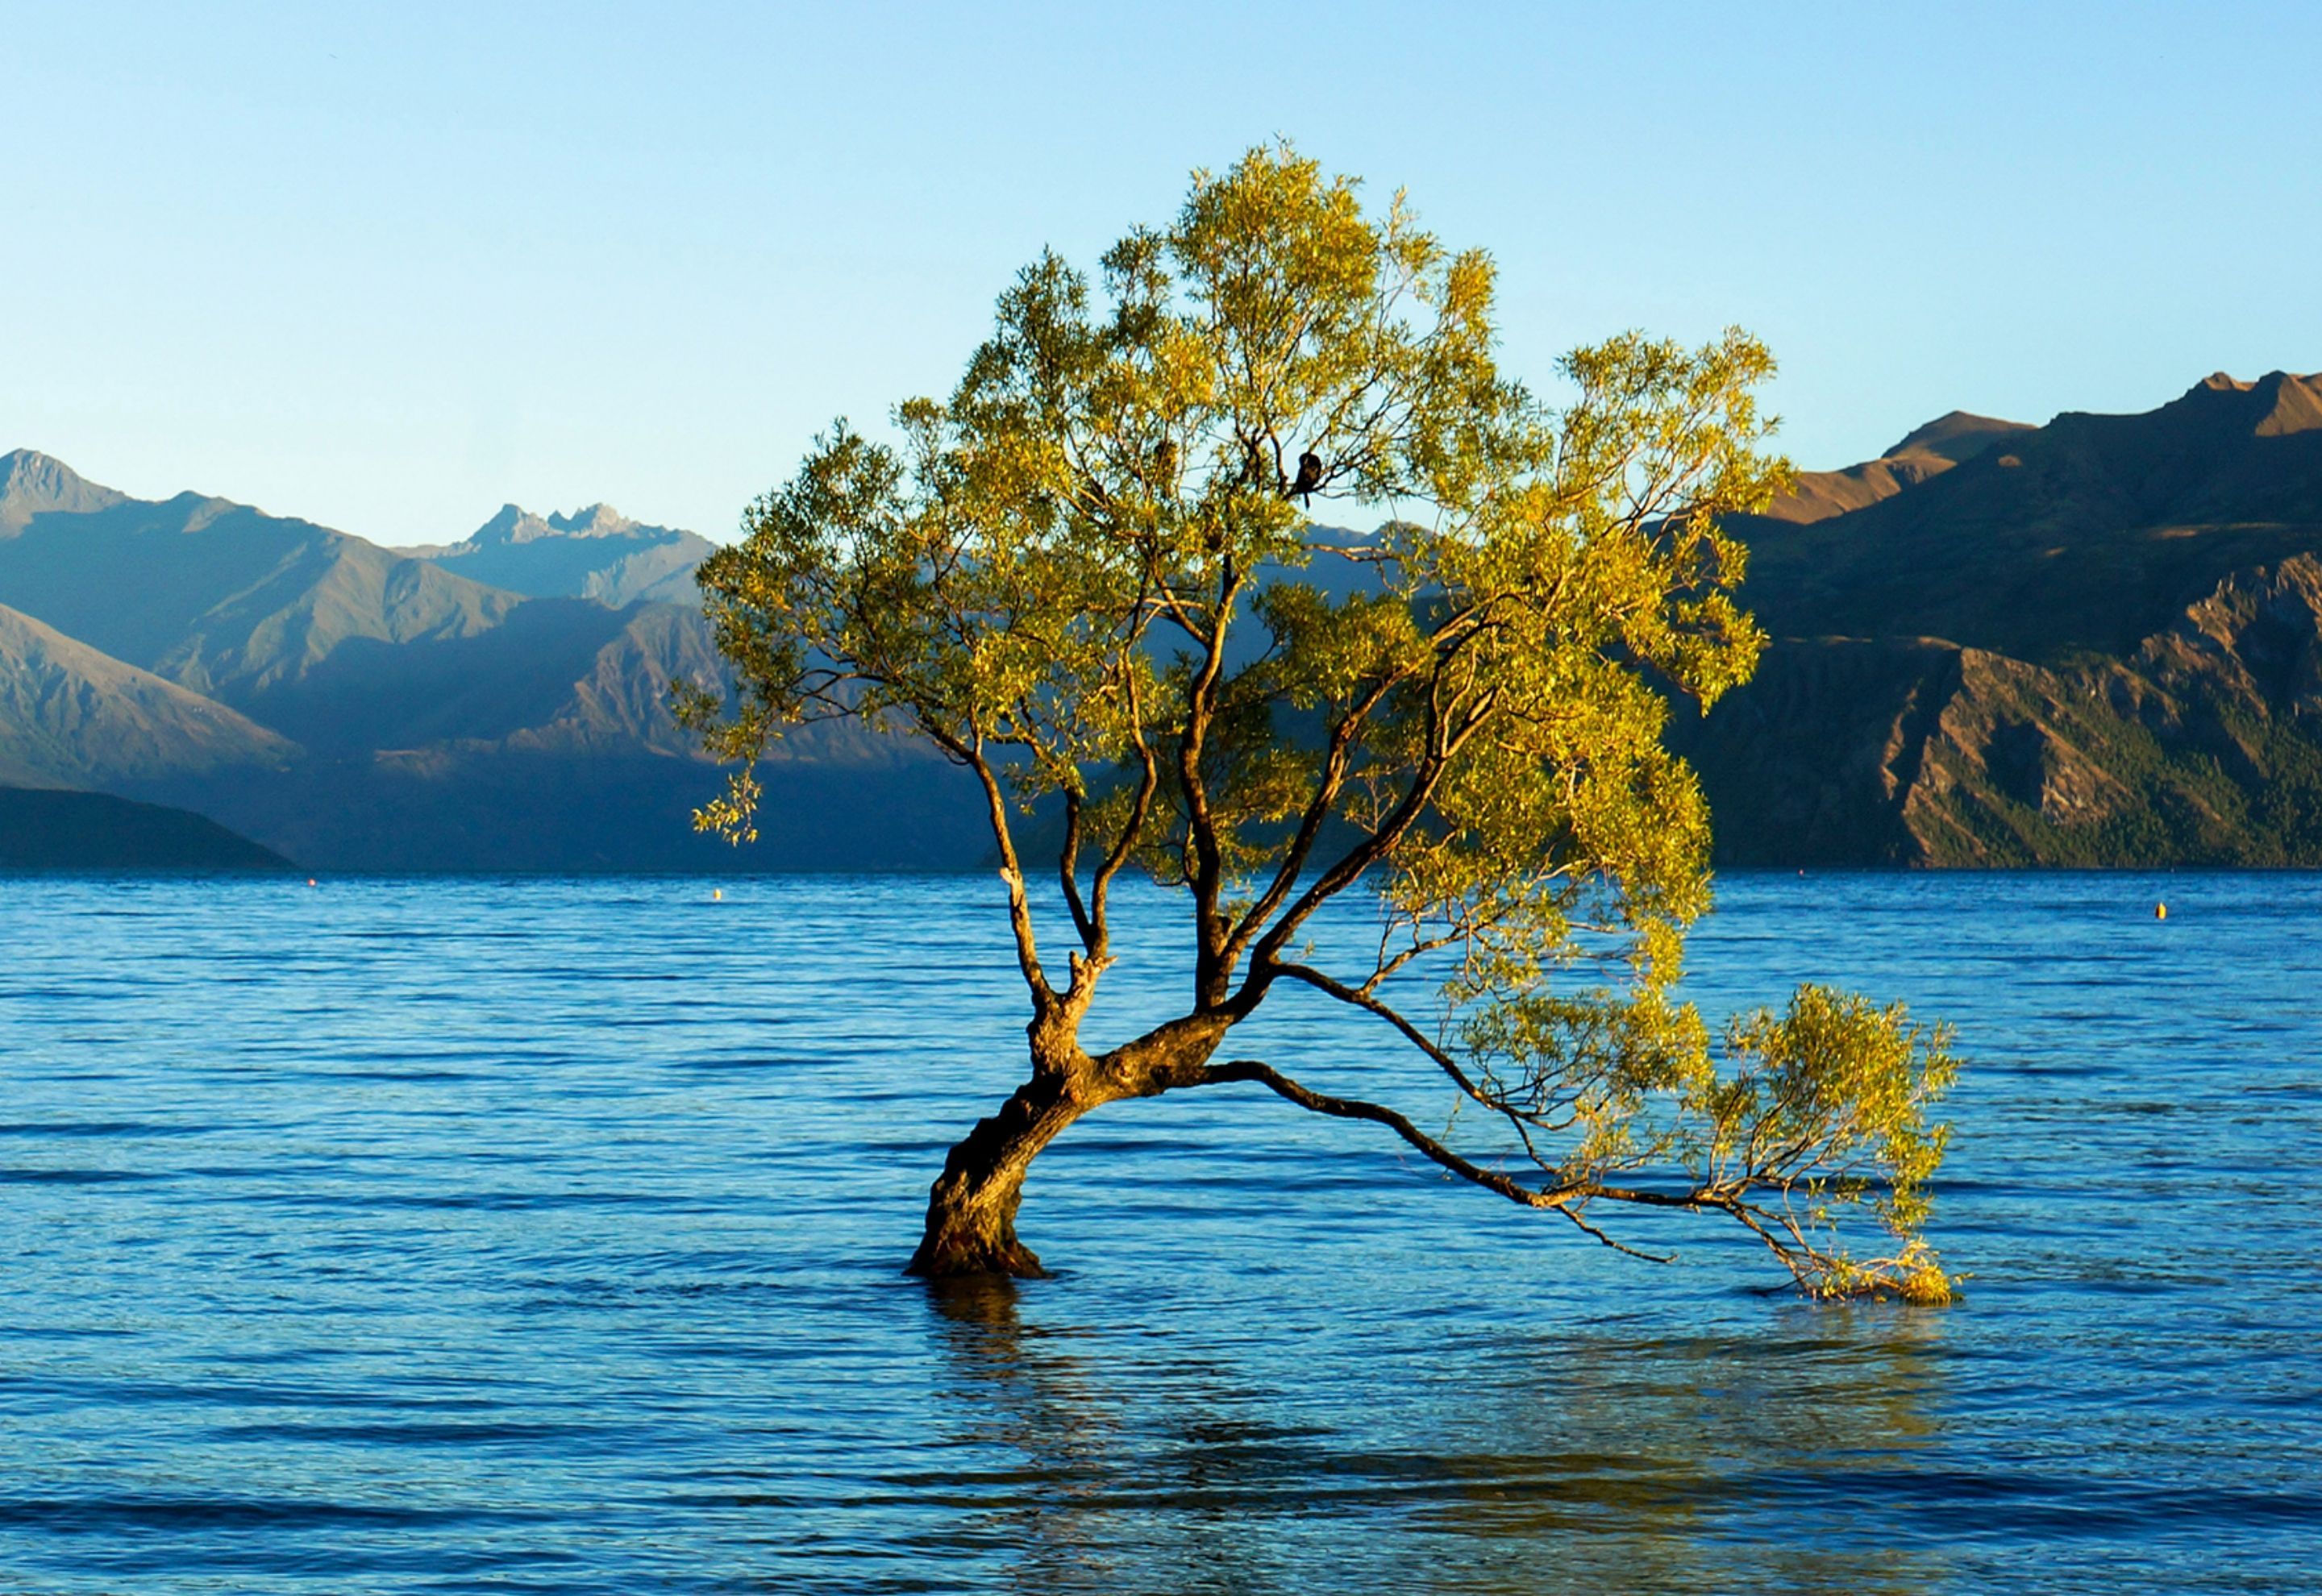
2160	911
310	880
716	894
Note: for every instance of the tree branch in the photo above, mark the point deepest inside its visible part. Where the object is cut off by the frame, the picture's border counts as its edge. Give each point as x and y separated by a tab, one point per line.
1148	782
1201	705
1327	788
1068	871
1411	1034
1566	1199
1019	906
1355	1108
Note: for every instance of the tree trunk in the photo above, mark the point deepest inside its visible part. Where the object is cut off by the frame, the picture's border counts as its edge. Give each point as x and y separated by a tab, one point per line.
972	1210
971	1226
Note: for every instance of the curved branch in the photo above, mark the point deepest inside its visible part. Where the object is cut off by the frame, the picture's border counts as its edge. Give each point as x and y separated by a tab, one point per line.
1148	782
1573	1214
1411	1033
1019	906
1209	876
1068	872
1355	1108
1567	1200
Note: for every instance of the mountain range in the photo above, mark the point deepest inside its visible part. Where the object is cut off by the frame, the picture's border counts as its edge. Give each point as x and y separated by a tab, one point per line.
2096	642
595	554
354	707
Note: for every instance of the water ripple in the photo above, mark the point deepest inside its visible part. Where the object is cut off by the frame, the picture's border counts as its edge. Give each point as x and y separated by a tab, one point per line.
541	1234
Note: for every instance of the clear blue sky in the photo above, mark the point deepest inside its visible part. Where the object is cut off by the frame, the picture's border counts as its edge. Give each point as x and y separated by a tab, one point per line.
387	267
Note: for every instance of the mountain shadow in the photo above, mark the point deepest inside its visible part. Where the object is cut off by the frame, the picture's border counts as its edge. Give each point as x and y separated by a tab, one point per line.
48	829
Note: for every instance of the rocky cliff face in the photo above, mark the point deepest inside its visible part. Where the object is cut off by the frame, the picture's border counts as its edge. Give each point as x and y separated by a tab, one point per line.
2098	643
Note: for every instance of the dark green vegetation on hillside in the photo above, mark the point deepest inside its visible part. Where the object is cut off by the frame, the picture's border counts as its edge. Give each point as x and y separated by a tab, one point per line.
43	829
2095	642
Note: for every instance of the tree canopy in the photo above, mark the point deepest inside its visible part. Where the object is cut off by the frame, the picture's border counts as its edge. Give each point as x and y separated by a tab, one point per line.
1093	579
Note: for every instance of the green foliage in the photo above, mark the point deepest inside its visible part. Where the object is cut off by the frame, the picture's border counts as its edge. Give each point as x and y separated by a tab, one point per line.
1090	575
1826	1104
2232	786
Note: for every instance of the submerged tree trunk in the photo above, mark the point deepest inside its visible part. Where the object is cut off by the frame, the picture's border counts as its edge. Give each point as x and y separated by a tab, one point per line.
971	1228
972	1210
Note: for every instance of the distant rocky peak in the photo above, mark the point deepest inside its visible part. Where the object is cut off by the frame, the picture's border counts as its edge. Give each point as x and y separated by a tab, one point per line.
511	525
34	484
515	524
27	474
596	553
595	521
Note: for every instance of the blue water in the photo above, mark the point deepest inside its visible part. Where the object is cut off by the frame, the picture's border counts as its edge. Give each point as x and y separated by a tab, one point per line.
543	1235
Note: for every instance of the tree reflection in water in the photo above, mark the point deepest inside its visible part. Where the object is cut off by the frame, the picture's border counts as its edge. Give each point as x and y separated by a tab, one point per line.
1528	1463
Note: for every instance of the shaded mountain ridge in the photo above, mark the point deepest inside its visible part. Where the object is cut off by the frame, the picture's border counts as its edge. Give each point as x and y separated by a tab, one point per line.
73	717
45	829
362	708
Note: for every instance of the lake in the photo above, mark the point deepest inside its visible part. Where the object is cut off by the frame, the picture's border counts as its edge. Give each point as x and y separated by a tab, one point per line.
544	1234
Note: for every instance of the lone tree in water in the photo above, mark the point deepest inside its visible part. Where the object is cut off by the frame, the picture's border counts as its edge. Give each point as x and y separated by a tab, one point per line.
1090	579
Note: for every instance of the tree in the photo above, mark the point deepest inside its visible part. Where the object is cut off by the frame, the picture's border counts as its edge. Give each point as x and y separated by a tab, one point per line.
1091	579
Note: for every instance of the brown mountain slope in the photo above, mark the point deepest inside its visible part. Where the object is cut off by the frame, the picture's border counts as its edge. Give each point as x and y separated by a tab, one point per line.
1929	452
2203	746
2090	533
2092	643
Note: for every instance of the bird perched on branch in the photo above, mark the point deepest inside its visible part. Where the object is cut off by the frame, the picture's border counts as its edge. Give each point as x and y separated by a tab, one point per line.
1310	476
